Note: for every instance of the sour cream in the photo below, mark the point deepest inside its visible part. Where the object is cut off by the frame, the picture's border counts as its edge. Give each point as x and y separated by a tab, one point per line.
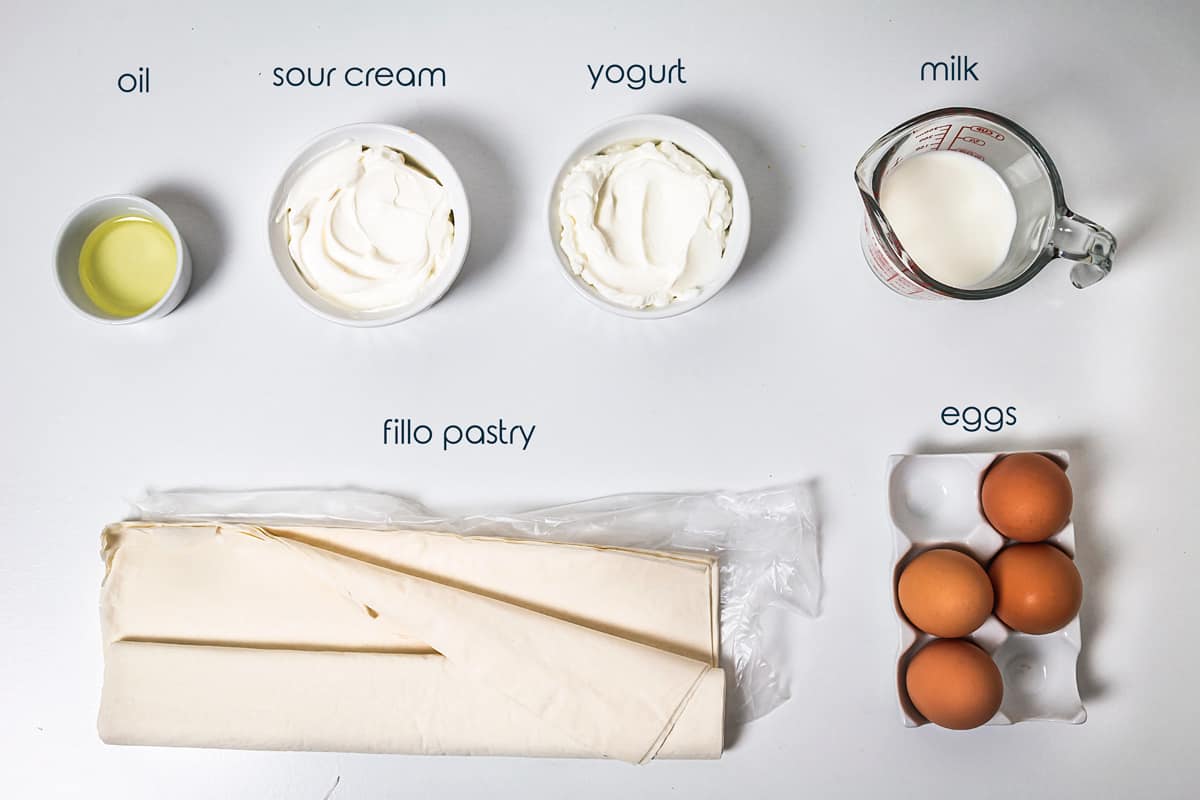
366	229
644	224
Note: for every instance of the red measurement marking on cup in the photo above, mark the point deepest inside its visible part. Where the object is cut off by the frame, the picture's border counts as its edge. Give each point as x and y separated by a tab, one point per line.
965	135
997	135
885	269
958	136
932	138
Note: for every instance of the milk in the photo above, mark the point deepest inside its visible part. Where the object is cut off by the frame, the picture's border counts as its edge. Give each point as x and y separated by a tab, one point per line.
952	213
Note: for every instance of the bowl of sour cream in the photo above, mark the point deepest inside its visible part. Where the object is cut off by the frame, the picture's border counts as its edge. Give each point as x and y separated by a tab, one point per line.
369	225
649	216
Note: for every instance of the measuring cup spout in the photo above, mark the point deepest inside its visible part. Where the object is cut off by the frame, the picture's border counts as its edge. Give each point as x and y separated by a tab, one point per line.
1081	240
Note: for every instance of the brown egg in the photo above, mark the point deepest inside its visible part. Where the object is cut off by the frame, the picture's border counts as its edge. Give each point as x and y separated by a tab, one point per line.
1027	497
1038	588
953	683
945	592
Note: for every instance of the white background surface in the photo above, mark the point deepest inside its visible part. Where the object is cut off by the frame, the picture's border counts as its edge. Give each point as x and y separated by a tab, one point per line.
804	367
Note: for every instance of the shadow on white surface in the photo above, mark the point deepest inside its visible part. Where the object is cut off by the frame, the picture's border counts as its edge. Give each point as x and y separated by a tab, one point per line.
193	214
489	184
1113	166
770	182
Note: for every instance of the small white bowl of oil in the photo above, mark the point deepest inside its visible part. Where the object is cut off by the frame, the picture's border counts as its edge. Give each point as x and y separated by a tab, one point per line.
119	259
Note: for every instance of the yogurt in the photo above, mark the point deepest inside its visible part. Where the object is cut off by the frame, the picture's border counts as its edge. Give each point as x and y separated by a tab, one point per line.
644	224
953	213
366	229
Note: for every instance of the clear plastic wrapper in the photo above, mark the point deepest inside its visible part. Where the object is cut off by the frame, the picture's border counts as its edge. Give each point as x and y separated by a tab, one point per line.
766	542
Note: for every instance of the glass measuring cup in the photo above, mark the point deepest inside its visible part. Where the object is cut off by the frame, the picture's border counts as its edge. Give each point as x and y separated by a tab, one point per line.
1046	229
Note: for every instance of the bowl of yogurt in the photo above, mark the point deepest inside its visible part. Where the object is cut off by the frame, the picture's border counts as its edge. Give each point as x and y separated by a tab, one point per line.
369	225
649	216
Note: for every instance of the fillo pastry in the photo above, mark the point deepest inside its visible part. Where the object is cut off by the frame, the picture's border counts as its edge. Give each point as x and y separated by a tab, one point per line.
315	638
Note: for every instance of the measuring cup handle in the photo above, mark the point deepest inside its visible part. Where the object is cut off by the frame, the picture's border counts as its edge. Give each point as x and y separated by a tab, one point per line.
1079	239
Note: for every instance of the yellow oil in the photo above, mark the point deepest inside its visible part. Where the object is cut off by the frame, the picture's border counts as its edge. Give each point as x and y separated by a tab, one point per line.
127	264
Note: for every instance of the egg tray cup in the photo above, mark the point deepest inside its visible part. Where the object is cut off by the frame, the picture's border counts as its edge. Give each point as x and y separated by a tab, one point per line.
933	501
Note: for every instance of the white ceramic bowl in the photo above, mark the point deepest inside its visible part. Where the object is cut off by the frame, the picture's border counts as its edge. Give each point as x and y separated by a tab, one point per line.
697	142
82	222
418	150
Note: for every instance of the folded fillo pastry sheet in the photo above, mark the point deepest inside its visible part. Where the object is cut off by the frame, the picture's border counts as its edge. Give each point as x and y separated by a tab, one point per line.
315	638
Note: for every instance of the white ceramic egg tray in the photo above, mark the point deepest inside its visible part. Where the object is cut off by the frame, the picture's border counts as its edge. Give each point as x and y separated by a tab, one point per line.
933	501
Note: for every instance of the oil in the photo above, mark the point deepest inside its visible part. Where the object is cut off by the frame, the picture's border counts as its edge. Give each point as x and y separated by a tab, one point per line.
127	264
